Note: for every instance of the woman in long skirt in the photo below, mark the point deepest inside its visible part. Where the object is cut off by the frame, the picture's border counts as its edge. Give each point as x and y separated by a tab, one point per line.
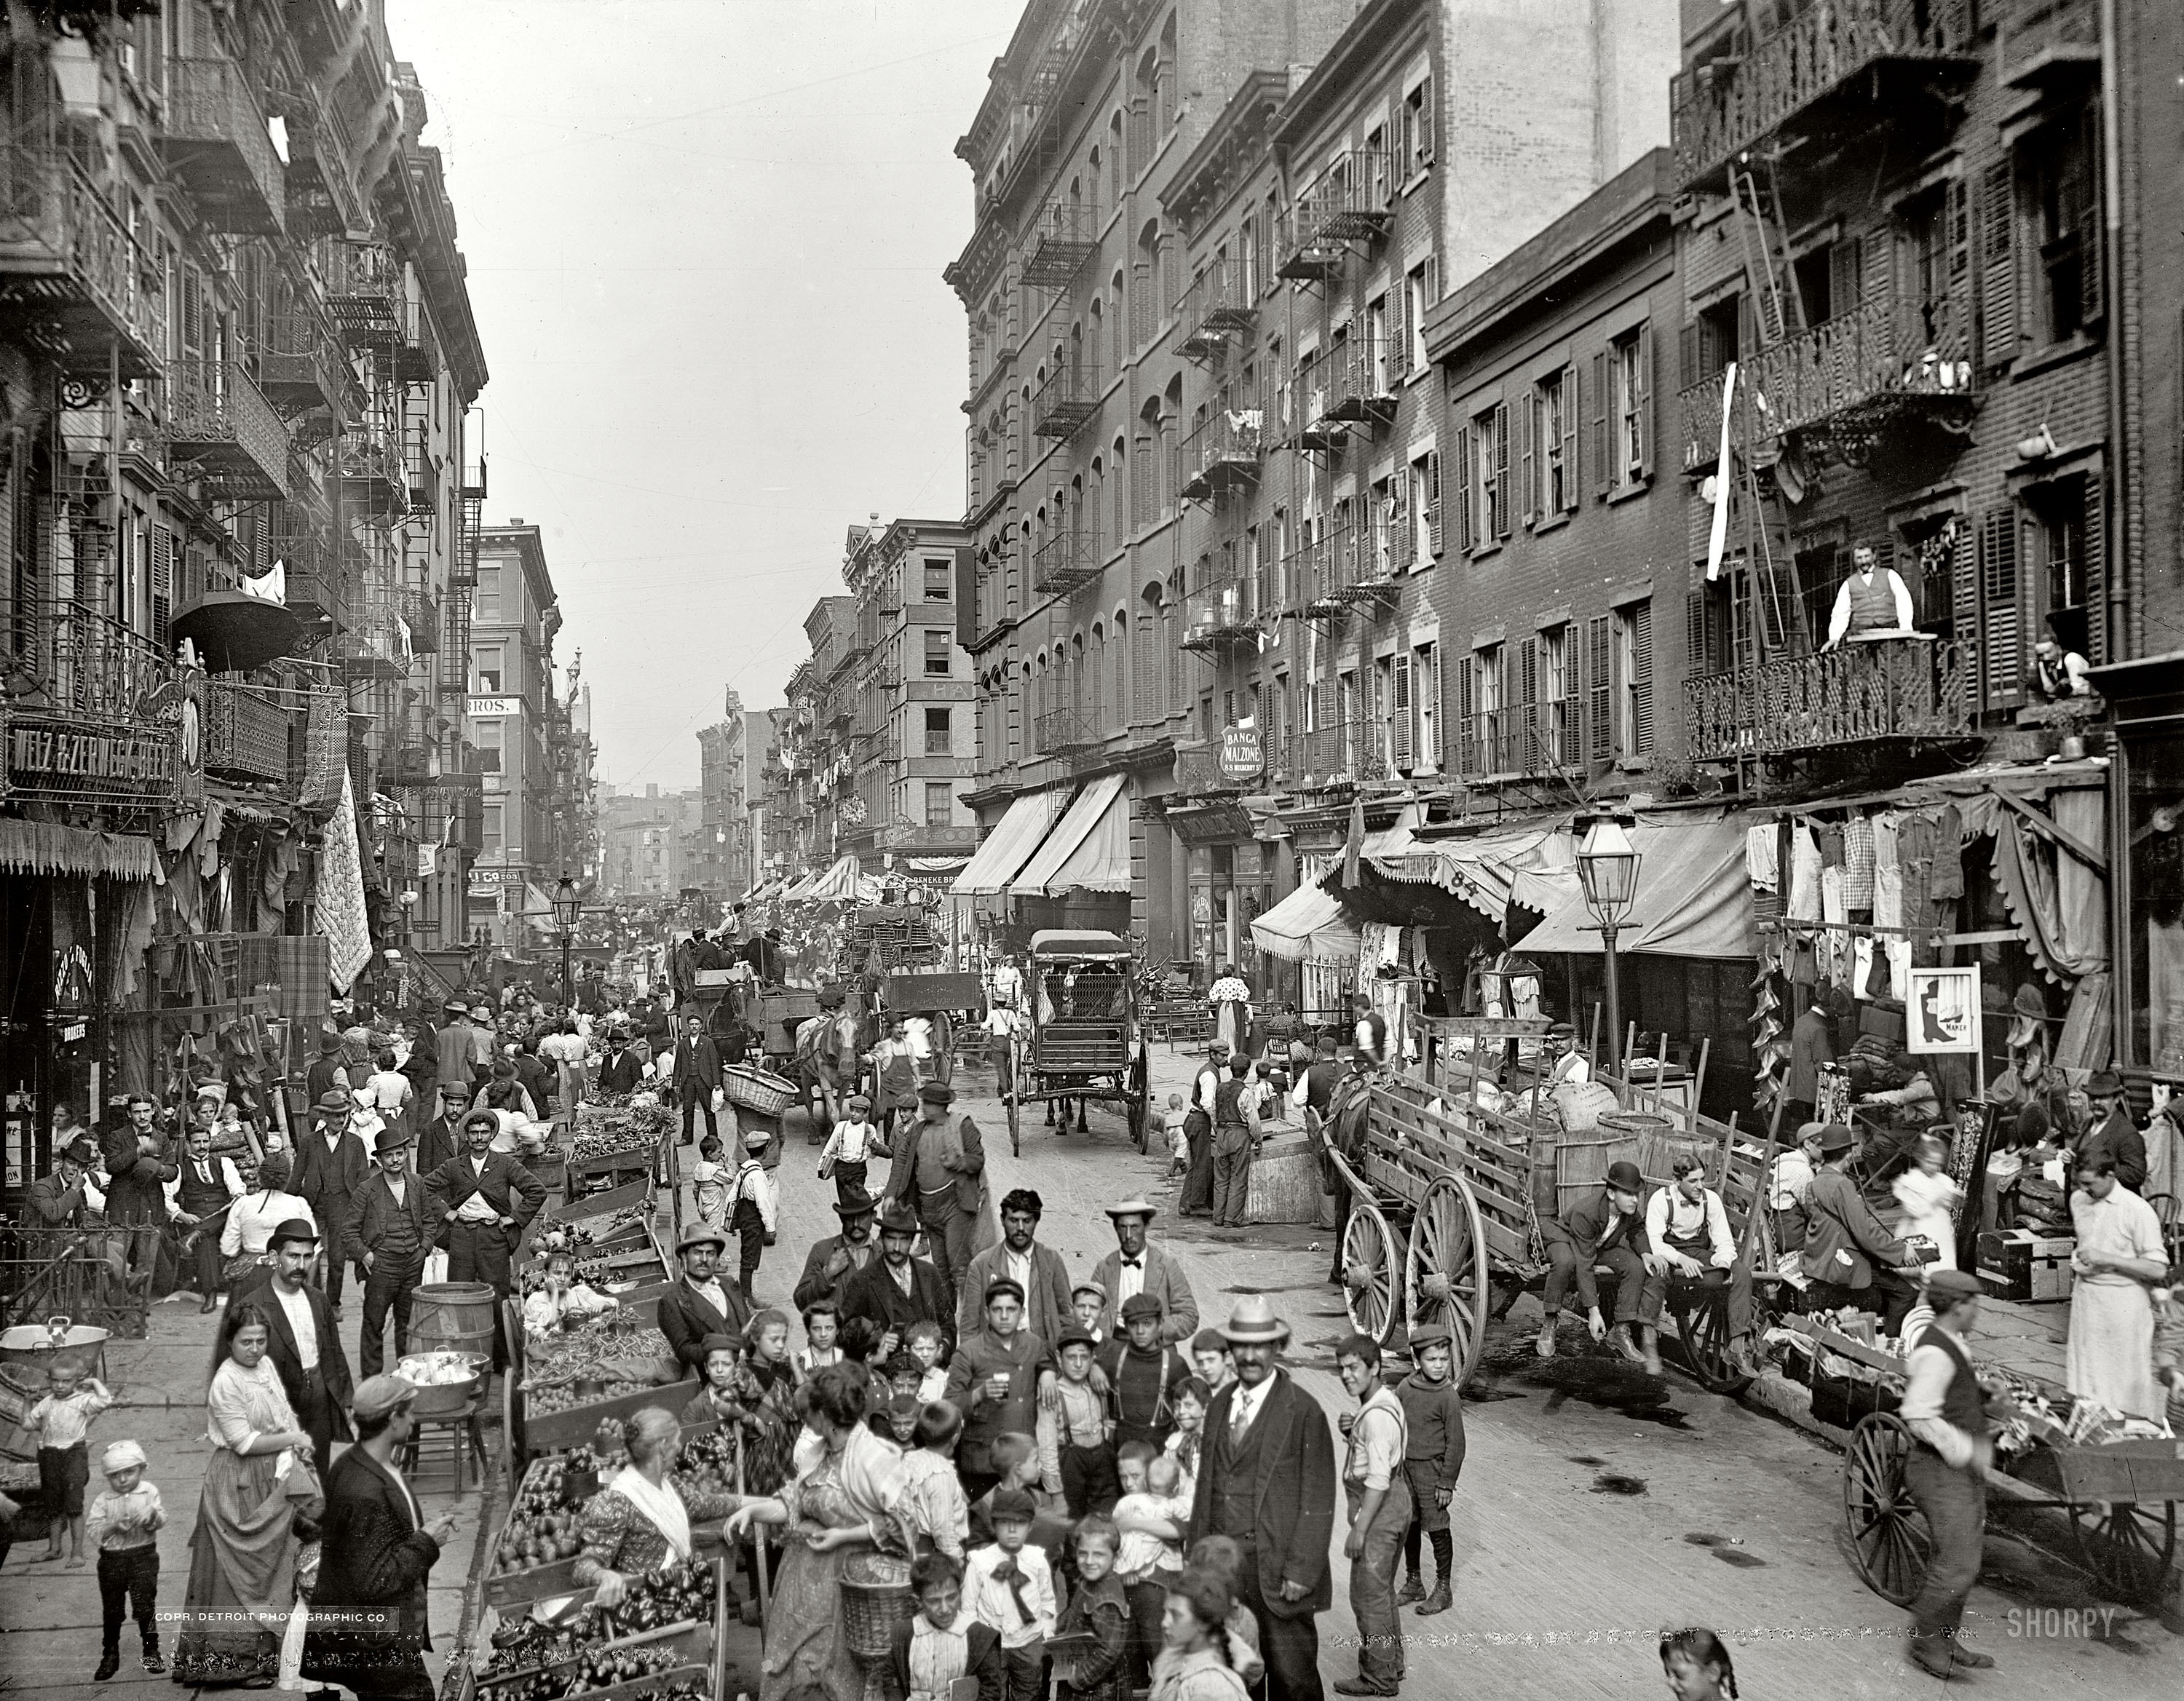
2120	1255
258	1487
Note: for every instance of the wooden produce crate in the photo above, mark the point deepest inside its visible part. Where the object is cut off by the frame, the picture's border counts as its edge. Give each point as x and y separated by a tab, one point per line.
574	1426
606	1203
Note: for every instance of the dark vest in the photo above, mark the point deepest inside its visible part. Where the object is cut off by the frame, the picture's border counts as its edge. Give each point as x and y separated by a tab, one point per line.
200	1197
399	1240
1964	1405
1872	606
1235	1478
1226	1110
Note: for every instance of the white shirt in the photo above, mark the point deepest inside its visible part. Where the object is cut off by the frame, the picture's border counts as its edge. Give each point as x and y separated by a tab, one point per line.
223	1171
711	1293
996	1603
1244	1406
1128	1283
297	1304
1572	1067
1669	1208
1202	1089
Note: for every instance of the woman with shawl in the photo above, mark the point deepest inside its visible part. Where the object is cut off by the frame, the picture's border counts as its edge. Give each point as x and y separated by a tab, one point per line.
640	1521
260	1501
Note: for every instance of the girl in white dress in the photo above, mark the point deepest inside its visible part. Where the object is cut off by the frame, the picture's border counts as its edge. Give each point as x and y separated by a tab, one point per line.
1929	1198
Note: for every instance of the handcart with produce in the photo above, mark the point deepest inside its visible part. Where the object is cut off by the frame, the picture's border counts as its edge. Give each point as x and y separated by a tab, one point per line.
2116	1480
1445	1179
1084	1041
618	1141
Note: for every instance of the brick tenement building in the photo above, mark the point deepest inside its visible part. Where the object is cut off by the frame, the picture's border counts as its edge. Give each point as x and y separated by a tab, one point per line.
1167	301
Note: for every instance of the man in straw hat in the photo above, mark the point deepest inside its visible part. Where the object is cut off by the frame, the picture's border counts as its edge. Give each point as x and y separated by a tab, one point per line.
303	1341
391	1231
1946	1411
1266	1481
830	1264
480	1203
369	1626
1134	1268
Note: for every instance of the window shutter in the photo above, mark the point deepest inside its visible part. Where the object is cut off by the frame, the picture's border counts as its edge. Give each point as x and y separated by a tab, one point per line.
2096	581
1399	678
1695	661
1603	469
1963	612
1846	275
1467	700
2001	630
1598	687
1998	264
1426	119
1689	355
1465	477
1433	505
1400	531
1528	411
1501	470
163	582
1572	396
1641	684
2092	226
1527	705
1427	688
1642	404
1398	352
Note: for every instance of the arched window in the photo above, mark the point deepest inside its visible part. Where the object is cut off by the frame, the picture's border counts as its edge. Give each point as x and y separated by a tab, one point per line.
1118	654
1145	696
1092	185
1121	495
1120	327
1115	160
1171	644
1095	676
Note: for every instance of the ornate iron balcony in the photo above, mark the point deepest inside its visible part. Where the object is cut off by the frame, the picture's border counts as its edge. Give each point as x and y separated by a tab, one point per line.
1886	690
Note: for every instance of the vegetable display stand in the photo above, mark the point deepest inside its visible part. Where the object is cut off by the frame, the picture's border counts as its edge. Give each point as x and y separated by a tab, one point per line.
593	1652
607	1203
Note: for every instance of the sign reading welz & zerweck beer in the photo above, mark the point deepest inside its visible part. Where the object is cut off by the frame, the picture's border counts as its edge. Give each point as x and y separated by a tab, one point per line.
48	758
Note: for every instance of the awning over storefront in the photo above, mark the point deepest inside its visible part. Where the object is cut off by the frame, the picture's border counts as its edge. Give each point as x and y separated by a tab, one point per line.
1694	898
43	847
1310	925
1002	854
1534	866
1089	847
838	884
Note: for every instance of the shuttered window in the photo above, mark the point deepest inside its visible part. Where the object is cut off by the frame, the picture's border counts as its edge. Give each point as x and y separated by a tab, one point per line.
2000	626
1467	711
1401	712
1527	716
163	582
1598	687
1640	688
1603	469
1997	263
1433	502
1425	689
1466	537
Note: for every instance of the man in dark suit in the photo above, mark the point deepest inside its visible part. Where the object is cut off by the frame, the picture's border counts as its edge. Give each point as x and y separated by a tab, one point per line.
479	1204
699	1305
442	1138
390	1229
697	1075
833	1261
330	1166
137	1171
369	1626
940	1171
327	1071
1605	1229
57	1201
1266	1479
305	1345
896	1290
201	1193
621	1072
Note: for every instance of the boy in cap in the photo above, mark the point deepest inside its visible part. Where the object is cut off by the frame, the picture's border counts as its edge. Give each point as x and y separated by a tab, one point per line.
1076	1436
1012	1588
850	1147
1143	1375
753	1207
1433	1459
123	1527
1379	1495
1945	1410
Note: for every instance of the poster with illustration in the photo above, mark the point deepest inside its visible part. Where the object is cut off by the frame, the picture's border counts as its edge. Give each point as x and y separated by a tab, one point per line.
1942	1011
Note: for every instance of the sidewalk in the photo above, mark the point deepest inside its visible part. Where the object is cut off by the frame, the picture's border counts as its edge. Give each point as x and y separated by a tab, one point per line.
51	1615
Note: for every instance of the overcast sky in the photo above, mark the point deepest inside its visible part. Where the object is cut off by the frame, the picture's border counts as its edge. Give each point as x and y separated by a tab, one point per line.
705	240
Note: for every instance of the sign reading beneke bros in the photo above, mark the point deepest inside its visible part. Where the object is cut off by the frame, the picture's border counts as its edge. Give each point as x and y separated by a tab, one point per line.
50	760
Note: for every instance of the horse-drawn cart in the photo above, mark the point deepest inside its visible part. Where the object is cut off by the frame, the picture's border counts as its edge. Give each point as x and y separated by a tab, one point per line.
1084	1041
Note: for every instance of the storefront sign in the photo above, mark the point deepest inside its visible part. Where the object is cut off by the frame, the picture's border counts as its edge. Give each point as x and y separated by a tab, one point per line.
1942	1011
487	708
1243	752
52	759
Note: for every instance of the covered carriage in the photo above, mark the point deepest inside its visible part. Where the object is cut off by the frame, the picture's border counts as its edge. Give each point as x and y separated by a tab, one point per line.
1082	1039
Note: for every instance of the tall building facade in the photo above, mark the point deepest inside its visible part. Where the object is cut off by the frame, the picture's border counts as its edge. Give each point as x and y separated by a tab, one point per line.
721	865
648	837
515	725
236	355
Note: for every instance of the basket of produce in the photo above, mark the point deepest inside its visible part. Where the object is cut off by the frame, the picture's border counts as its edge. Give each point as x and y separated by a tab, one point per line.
759	1091
446	1382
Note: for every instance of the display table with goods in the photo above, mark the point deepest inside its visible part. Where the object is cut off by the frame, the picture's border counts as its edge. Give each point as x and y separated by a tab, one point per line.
617	1140
610	1366
2117	1479
675	1636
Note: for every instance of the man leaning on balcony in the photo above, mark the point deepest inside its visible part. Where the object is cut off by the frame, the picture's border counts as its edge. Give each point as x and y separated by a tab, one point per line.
1873	600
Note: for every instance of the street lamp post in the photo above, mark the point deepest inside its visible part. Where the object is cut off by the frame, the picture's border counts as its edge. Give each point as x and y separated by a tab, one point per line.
567	907
1607	869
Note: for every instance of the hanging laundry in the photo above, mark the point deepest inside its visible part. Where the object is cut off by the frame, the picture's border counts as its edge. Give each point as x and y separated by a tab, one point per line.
1835	941
1763	857
1858	862
1830	838
1948	880
1804	875
1888	899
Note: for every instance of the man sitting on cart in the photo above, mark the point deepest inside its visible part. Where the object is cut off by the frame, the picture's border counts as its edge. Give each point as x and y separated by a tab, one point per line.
1606	1229
1687	1225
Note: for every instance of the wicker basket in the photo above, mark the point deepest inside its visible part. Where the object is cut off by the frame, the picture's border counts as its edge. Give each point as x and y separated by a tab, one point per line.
759	1091
876	1597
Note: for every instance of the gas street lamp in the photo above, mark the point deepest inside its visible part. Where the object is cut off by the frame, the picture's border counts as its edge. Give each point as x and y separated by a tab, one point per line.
567	906
1607	869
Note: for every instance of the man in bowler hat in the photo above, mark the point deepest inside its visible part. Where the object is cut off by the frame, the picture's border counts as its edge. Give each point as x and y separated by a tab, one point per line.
389	1228
303	1341
940	1171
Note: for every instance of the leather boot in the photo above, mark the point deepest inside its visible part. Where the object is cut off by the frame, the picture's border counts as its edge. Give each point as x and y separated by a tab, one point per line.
1440	1600
1413	1589
1649	1344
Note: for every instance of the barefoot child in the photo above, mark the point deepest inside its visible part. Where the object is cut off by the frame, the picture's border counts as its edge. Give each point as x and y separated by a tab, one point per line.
1178	1142
124	1526
709	1178
753	1208
850	1147
62	1422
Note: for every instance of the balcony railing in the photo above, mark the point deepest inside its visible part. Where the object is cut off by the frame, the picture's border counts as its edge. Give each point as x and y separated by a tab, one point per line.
1334	756
1352	201
245	732
1065	400
299	363
1066	236
1060	731
1840	63
216	415
1065	562
1361	387
421	614
1223	452
69	270
1887	690
1519	738
216	140
1317	576
1220	306
1222	616
363	288
323	198
373	480
1843	380
71	662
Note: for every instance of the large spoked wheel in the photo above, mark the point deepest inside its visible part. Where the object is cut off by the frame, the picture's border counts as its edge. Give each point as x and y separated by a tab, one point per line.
1444	1271
1889	1540
1371	1268
1702	1315
2128	1546
1138	1093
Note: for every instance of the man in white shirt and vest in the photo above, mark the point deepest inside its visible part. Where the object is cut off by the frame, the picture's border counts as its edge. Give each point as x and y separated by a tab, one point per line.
1198	1130
1380	1494
302	1342
205	1185
1946	1411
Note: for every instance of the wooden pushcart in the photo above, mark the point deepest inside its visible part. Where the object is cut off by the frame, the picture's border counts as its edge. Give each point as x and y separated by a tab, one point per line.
1084	1041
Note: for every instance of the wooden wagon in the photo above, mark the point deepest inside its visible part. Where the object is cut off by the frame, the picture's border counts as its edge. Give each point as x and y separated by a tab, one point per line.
1084	1040
1445	1197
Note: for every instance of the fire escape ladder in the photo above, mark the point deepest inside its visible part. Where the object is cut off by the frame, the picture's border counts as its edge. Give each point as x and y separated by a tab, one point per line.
1778	309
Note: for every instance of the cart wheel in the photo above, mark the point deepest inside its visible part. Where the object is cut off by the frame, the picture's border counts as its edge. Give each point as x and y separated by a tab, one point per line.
1701	1317
1890	1542
1370	1268
1139	1092
1445	1280
2128	1546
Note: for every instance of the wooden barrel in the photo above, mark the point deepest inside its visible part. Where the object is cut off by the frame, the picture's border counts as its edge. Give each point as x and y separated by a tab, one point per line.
1659	1147
453	1317
1581	1164
1284	1185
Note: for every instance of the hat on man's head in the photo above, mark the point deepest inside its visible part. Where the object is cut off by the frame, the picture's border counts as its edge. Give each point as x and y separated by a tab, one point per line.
856	1203
377	1396
1253	1322
121	1455
936	1092
1132	1208
1624	1177
456	1090
1945	1287
1141	1305
329	1039
391	1139
1423	1338
858	1101
701	1234
1003	1287
334	1103
1835	1139
292	1230
757	1139
454	1006
2104	1084
897	1218
482	1013
81	1151
1098	1289
1561	1030
1076	1335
